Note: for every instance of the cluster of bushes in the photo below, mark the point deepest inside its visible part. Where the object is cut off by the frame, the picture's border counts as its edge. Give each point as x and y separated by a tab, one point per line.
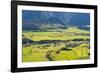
26	41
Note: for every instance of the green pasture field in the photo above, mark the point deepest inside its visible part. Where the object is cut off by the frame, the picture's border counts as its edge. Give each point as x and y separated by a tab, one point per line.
69	44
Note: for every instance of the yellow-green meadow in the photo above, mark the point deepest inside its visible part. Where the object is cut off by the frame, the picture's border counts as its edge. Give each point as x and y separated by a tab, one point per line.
64	44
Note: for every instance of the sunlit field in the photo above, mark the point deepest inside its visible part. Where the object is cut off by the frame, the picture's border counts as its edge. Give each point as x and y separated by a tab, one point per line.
55	45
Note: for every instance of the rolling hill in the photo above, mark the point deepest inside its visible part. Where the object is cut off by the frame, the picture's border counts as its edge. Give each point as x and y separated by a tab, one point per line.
36	20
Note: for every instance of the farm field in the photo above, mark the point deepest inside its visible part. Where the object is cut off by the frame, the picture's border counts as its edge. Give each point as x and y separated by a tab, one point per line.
56	45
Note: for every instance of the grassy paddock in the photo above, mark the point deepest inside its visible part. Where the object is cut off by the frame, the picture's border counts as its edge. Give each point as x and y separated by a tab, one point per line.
73	44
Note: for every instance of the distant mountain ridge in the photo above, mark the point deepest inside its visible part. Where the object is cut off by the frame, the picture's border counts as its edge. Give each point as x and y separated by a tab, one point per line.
34	20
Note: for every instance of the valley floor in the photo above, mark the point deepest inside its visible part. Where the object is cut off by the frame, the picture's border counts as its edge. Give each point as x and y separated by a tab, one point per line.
55	46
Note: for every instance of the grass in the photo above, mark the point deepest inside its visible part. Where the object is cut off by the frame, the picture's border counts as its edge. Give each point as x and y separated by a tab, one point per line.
68	50
65	35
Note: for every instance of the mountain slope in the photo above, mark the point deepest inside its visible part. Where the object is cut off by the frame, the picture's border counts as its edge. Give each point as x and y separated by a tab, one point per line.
32	20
